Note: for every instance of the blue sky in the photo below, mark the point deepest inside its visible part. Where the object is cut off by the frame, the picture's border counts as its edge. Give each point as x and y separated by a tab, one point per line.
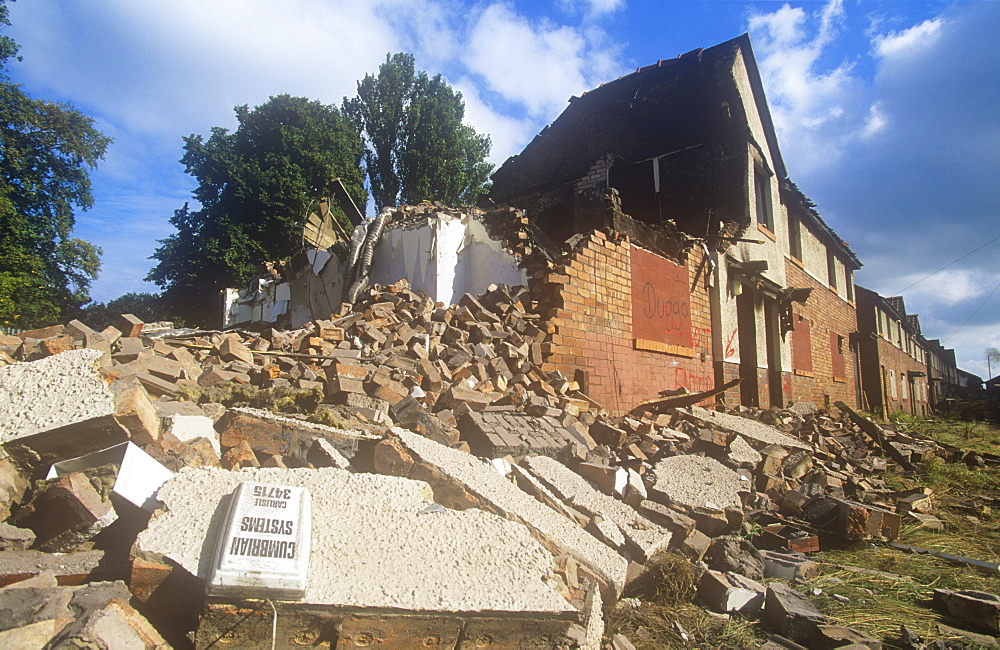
886	111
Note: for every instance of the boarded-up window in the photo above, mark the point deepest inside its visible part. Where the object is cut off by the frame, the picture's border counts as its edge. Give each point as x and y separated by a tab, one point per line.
802	359
892	385
837	355
661	301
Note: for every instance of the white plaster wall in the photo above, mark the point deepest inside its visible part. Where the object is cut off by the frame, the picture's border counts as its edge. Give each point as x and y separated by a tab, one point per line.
444	257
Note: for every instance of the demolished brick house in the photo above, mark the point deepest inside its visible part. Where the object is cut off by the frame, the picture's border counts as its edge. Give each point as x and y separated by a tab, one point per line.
656	228
726	270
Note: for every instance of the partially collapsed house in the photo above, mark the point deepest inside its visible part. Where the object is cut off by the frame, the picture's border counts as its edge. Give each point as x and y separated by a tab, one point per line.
717	267
661	238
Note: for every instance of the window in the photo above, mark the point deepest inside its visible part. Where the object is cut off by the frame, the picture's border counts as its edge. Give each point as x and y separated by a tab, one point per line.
849	285
794	236
879	322
831	268
762	198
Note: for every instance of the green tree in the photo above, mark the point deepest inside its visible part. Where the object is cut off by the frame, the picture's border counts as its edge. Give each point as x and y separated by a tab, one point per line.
417	147
148	307
255	187
46	151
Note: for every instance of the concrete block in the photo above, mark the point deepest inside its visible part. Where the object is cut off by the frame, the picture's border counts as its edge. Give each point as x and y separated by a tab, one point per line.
428	559
63	397
451	470
975	607
742	454
644	537
188	427
697	481
788	566
746	427
268	433
730	592
790	613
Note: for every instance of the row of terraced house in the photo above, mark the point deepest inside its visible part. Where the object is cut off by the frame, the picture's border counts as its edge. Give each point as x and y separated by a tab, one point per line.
658	230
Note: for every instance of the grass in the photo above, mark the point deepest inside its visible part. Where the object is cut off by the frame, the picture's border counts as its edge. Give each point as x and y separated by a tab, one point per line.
869	586
878	603
983	437
665	613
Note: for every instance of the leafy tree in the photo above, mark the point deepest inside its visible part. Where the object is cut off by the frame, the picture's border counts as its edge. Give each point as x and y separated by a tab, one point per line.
149	307
417	147
46	151
255	187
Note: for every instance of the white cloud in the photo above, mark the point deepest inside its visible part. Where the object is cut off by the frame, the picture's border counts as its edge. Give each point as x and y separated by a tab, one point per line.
949	287
906	42
537	66
508	134
816	111
592	8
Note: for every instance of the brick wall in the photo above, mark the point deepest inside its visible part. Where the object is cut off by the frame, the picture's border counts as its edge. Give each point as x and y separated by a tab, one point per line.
587	302
828	322
894	364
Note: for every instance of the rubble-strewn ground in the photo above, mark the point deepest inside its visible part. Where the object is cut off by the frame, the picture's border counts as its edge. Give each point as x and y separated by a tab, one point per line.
671	526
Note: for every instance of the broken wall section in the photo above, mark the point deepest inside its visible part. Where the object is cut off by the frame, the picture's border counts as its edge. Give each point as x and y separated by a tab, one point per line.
445	253
592	302
308	287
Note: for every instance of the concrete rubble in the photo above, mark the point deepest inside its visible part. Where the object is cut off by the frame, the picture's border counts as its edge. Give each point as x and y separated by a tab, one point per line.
456	486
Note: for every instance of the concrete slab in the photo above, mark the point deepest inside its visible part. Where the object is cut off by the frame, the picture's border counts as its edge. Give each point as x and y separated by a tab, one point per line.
642	535
745	427
559	534
697	482
189	427
53	392
375	544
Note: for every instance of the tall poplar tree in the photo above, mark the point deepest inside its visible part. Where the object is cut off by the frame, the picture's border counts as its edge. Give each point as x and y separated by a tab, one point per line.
417	147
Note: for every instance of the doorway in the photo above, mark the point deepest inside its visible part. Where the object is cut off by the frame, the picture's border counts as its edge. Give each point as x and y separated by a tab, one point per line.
746	322
772	342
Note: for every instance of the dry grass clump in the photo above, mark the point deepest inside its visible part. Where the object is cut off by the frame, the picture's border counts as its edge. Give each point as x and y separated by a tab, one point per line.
664	614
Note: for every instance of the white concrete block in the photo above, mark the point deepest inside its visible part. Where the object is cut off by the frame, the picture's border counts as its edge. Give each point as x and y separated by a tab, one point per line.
376	543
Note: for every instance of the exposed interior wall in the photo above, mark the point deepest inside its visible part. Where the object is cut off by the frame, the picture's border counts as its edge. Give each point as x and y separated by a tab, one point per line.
445	257
588	304
314	291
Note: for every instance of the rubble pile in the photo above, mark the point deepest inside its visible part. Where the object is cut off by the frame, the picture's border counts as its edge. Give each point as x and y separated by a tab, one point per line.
456	486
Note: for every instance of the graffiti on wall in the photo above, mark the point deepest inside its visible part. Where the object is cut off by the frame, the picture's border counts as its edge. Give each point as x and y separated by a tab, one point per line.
661	302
